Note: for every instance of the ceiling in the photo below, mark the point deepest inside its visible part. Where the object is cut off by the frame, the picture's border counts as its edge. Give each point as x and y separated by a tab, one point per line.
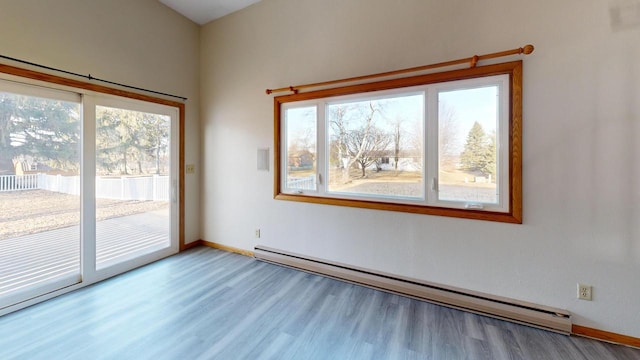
203	11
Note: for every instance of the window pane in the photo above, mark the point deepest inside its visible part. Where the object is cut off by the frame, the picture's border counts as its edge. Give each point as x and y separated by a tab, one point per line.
39	196
301	135
467	143
132	184
375	146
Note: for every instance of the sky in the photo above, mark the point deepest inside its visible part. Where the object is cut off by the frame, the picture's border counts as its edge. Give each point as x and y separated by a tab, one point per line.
469	105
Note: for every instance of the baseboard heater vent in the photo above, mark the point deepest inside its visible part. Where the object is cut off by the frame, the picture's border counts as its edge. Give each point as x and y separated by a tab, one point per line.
544	317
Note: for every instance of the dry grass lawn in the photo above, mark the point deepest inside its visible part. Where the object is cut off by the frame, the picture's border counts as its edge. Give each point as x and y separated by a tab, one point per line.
33	211
454	184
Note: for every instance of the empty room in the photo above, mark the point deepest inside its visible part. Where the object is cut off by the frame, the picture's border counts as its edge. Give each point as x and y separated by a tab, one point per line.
319	179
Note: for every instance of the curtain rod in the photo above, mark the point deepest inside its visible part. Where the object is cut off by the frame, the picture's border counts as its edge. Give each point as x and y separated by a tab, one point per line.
89	77
473	61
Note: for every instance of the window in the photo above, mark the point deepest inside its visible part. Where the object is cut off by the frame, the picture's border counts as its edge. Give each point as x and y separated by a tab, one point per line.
442	144
301	135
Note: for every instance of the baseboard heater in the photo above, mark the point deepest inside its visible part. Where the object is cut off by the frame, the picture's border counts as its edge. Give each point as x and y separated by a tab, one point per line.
539	316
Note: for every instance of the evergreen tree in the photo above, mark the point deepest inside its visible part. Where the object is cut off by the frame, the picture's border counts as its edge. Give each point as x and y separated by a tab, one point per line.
489	158
480	151
46	130
7	152
50	131
155	141
130	140
473	156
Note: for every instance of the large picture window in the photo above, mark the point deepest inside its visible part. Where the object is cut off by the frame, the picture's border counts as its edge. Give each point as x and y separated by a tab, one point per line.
442	144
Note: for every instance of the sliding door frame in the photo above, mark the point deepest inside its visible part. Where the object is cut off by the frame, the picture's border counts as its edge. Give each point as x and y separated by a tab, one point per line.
91	94
130	261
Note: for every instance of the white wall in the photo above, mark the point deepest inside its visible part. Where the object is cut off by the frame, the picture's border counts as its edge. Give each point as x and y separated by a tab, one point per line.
581	147
140	43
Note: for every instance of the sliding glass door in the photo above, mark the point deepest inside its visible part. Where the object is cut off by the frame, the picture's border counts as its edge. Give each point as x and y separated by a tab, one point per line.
88	188
134	182
39	191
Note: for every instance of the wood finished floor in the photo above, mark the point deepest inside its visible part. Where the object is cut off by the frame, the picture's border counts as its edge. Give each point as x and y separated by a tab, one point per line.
209	304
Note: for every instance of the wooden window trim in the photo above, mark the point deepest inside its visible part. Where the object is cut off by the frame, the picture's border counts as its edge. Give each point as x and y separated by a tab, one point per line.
513	69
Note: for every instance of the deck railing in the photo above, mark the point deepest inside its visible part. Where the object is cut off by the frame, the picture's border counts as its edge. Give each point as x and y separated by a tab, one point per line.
305	183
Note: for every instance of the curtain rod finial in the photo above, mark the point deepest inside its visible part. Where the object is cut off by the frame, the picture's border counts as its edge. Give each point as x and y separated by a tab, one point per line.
474	61
528	49
269	91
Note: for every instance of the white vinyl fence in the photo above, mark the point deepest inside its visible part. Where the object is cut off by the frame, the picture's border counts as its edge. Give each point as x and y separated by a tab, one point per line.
59	183
155	187
18	182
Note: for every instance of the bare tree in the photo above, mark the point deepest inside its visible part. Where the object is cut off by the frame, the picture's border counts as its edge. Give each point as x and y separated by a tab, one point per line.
448	128
396	141
413	143
301	139
366	144
338	123
355	137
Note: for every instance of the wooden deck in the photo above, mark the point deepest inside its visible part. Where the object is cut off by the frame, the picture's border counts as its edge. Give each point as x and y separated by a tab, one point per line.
41	258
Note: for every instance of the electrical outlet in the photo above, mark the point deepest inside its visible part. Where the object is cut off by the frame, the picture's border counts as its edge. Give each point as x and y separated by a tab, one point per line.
584	292
257	233
191	169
